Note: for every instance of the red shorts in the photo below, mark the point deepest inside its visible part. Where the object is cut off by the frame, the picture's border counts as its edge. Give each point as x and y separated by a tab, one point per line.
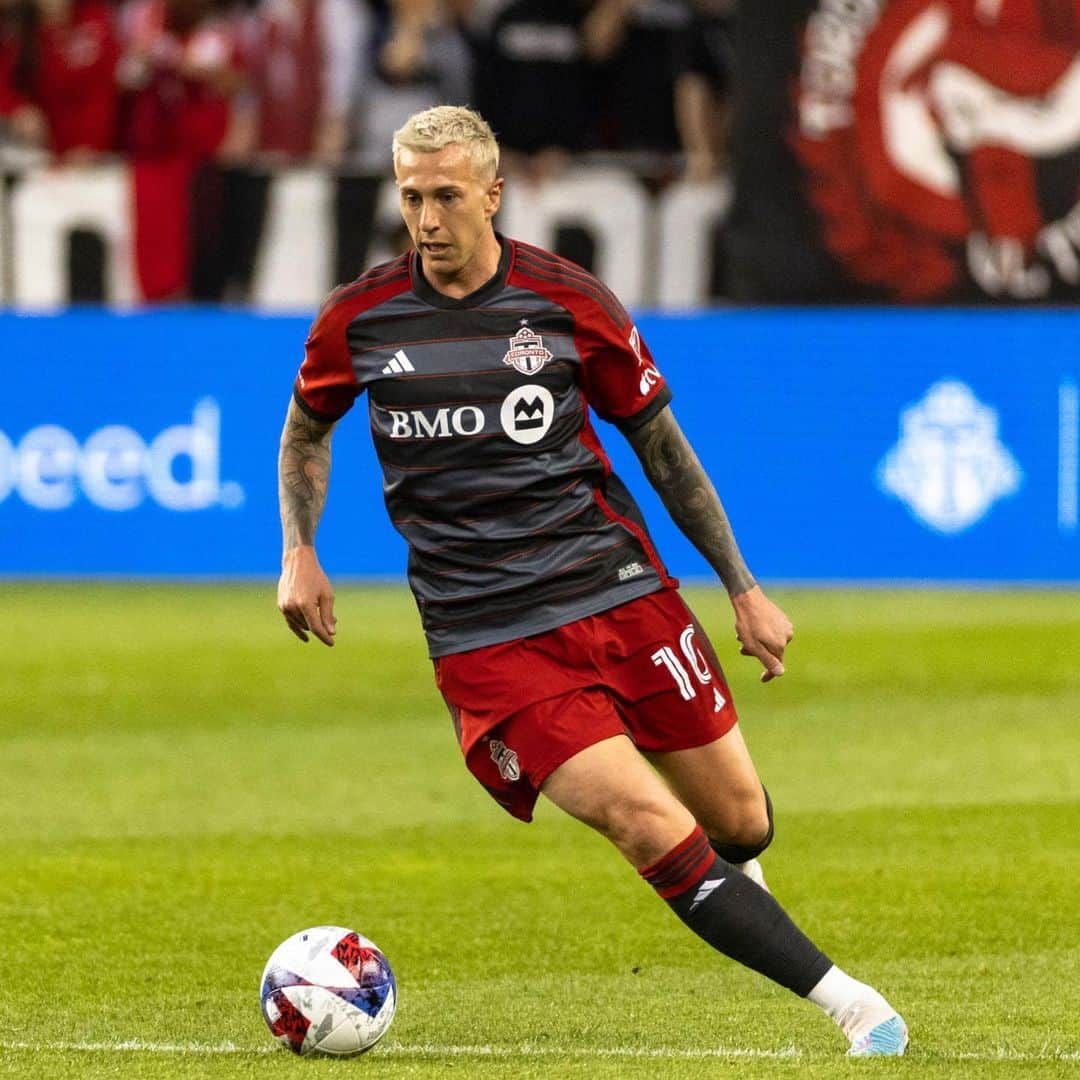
523	707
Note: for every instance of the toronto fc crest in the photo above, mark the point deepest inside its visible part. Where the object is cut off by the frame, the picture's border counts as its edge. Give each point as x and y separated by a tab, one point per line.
527	352
949	466
506	760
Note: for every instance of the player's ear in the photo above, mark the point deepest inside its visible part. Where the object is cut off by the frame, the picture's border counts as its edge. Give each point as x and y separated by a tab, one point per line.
494	197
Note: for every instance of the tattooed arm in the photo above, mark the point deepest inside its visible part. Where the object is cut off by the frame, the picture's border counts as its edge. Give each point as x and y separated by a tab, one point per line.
674	471
305	596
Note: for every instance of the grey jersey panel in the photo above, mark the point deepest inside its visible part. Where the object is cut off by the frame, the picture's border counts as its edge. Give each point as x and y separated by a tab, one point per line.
477	413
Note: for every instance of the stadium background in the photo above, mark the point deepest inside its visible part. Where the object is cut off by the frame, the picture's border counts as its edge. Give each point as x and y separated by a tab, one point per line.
849	230
710	162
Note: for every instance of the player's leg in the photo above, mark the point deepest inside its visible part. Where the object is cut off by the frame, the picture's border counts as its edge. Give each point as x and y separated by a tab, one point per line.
719	785
611	787
574	747
690	731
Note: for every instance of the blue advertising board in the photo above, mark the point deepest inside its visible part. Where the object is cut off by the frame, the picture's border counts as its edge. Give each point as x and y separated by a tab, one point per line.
860	445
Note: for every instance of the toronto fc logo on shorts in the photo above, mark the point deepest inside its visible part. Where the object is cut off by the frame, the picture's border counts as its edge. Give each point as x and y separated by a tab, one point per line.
506	760
527	352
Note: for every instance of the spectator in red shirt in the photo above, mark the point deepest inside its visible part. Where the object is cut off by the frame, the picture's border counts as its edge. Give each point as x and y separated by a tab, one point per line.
303	57
180	67
58	76
179	72
74	75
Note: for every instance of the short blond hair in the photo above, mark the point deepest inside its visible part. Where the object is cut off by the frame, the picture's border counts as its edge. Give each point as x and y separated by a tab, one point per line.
450	125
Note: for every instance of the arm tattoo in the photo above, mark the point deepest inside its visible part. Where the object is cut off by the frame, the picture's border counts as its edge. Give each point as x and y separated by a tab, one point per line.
673	469
303	475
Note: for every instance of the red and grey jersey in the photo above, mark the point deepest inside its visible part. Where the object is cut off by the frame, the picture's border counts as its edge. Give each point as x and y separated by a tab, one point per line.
492	472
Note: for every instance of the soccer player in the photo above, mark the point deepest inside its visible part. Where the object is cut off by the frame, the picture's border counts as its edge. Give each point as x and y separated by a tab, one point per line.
560	641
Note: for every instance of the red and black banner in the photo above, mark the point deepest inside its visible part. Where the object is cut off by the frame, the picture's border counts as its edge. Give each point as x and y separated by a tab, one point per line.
913	151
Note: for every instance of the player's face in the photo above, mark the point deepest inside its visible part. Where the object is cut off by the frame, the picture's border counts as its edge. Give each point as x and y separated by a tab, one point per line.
448	209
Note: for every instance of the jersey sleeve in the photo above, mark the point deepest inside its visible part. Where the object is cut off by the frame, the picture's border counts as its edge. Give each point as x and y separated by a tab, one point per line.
326	385
620	377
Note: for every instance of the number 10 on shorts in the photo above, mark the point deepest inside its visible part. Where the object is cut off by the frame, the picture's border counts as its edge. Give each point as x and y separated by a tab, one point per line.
666	656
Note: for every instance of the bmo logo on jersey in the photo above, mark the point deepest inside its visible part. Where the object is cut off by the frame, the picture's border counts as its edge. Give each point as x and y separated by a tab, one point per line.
527	413
441	423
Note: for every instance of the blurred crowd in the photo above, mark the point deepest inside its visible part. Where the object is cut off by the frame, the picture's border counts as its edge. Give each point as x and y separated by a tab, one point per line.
330	80
193	94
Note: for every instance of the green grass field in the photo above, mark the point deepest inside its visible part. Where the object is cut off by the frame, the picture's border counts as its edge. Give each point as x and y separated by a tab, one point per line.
183	785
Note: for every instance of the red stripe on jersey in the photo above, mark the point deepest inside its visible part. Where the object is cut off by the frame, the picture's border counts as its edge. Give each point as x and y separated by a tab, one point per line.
592	443
585	286
326	383
567	266
383	274
556	264
377	275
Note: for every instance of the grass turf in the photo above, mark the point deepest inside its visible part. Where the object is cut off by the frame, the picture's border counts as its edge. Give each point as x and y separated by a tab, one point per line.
182	785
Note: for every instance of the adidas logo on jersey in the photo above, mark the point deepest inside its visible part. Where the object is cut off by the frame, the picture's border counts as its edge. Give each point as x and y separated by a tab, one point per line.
400	363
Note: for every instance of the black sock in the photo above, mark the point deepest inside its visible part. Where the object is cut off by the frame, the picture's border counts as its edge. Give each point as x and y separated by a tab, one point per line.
735	916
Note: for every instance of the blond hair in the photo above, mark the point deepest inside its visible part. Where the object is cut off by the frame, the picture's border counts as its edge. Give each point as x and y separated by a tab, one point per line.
448	125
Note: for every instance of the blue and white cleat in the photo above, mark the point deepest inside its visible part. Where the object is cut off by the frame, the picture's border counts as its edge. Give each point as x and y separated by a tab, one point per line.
888	1039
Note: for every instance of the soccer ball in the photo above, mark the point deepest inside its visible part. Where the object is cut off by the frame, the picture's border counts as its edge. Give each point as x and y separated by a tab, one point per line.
328	990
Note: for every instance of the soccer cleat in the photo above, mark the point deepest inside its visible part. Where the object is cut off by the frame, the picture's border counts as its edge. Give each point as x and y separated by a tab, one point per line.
887	1039
752	869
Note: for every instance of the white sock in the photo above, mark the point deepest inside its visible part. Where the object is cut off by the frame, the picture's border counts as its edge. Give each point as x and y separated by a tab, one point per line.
856	1007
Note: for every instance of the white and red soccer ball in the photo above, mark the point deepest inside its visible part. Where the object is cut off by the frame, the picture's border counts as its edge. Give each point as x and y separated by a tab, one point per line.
328	990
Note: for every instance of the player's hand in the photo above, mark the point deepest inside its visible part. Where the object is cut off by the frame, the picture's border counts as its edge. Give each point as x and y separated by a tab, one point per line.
305	596
763	631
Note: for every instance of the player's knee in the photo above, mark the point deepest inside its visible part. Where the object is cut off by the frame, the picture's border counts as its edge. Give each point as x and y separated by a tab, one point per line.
645	829
749	834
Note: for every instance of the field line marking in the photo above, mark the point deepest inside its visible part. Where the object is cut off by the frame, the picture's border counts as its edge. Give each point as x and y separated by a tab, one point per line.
396	1048
525	1050
139	1046
528	1050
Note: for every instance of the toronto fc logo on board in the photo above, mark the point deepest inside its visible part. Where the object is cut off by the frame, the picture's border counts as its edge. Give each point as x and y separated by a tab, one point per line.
527	352
940	141
949	466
